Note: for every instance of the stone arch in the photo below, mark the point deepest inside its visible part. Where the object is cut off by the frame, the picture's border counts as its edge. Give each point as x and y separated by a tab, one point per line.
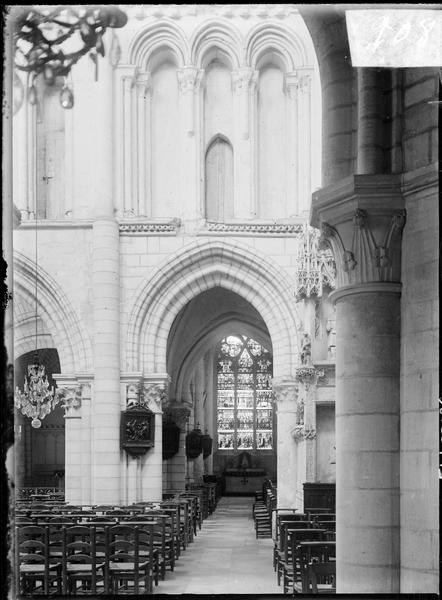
272	37
25	330
214	335
69	336
155	37
198	267
219	34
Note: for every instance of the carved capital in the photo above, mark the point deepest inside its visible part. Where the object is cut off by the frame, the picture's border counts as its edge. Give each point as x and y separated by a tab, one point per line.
291	85
361	220
285	390
243	80
301	432
189	79
70	398
308	375
178	412
143	83
305	83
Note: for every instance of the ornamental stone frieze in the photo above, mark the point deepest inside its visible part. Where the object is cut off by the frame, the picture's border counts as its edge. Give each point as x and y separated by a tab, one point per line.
142	227
253	228
300	433
361	220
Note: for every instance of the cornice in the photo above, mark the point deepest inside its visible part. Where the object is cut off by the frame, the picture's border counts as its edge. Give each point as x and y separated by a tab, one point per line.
252	228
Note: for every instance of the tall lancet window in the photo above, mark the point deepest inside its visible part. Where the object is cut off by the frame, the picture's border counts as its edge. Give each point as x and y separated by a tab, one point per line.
219	180
244	404
272	155
218	133
50	139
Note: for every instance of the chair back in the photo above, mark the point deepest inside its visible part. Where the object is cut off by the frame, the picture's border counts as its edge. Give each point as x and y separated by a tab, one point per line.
320	578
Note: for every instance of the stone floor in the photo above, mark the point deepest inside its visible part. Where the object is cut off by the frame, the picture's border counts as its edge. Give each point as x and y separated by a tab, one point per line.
225	557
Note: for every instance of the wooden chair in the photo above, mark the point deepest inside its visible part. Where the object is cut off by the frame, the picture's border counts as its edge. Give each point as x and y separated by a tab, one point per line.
82	574
290	569
320	578
35	572
280	548
125	573
314	551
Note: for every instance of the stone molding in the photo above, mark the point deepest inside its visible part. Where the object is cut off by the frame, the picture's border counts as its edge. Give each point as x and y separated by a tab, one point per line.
361	220
153	227
366	288
253	228
229	11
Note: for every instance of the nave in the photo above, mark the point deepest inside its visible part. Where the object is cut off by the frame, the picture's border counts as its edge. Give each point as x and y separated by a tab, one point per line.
226	557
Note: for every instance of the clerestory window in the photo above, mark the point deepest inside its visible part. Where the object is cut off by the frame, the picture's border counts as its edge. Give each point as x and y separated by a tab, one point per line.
244	405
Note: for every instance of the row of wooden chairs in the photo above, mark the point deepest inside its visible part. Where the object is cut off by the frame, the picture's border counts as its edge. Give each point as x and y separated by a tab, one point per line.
304	550
99	562
262	509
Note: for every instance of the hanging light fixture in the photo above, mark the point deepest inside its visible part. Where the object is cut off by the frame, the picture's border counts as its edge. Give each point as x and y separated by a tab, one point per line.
38	398
48	41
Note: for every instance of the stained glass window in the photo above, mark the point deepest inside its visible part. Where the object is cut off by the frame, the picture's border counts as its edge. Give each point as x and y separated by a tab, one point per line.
244	408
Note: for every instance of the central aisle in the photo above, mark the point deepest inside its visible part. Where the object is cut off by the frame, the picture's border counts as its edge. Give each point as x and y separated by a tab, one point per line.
225	557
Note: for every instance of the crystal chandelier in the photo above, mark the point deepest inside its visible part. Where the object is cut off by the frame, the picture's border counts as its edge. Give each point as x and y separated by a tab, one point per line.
38	398
48	41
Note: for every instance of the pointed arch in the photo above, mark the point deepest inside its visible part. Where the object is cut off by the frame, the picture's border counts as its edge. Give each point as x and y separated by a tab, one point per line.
218	171
154	37
200	266
273	37
216	34
69	335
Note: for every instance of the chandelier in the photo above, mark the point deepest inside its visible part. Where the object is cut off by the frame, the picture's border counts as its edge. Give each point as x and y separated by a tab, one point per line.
38	398
48	41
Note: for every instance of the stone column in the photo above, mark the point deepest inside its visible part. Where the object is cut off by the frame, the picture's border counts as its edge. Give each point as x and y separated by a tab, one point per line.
105	279
198	463
244	85
291	89
370	125
155	390
286	393
305	135
70	392
179	413
305	430
362	219
189	80
209	407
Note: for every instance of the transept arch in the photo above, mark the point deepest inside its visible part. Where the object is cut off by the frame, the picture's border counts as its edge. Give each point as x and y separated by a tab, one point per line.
200	266
56	311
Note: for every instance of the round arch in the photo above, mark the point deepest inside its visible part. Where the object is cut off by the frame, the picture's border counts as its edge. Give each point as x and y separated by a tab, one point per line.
69	335
198	267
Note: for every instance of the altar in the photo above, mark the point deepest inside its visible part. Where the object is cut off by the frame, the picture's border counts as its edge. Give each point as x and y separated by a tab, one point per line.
243	481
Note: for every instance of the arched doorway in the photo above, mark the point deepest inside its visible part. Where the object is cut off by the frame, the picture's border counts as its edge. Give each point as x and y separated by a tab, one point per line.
42	450
196	344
